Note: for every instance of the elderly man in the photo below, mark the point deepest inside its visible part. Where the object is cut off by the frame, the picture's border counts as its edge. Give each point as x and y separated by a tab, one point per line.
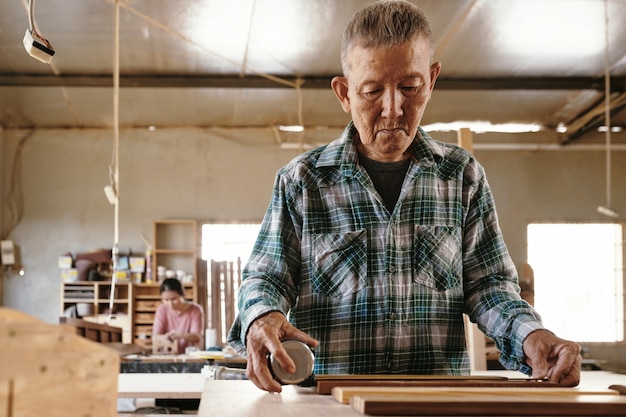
375	245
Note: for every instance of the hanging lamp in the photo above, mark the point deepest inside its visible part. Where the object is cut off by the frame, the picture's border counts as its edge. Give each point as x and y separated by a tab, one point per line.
606	209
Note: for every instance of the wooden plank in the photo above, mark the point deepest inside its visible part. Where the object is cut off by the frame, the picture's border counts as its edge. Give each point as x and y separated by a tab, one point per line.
215	296
475	339
465	139
161	344
344	394
619	388
51	371
492	405
242	398
408	377
166	385
94	331
5	398
325	383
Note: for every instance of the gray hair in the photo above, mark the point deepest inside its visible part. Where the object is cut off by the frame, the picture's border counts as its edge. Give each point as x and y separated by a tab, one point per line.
383	24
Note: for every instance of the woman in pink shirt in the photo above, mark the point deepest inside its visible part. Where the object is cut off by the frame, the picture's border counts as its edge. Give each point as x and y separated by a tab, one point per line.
178	319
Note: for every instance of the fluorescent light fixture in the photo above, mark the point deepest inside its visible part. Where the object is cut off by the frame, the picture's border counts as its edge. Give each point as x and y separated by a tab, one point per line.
291	128
289	146
607	211
483	127
614	129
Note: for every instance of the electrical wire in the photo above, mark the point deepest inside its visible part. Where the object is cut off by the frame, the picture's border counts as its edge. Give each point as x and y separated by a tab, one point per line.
245	54
606	209
116	152
607	101
15	196
243	67
31	14
32	23
202	46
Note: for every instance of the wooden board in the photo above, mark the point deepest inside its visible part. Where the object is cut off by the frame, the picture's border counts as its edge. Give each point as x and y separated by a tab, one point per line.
325	383
48	370
344	394
161	343
491	405
162	385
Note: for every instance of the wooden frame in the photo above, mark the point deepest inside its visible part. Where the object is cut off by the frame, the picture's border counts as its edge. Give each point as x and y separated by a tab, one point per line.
96	332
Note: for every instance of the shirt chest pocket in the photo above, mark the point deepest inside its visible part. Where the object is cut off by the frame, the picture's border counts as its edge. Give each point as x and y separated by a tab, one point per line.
338	263
438	257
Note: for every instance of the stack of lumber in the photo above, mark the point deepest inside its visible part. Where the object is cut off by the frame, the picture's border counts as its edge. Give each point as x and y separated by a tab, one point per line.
469	396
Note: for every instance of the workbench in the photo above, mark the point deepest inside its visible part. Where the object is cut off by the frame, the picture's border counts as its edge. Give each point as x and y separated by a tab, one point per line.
164	386
155	364
244	399
176	363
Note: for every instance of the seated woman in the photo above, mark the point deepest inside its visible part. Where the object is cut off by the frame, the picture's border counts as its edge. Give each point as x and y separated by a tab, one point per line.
176	319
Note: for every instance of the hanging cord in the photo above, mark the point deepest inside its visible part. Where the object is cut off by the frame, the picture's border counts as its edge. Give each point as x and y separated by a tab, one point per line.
114	170
31	15
607	103
200	45
15	196
606	209
32	23
242	72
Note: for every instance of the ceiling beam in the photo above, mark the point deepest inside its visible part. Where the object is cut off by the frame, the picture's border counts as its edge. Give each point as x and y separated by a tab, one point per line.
593	118
308	82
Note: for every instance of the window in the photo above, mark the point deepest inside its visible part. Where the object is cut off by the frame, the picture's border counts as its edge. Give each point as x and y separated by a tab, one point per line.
228	242
579	279
227	248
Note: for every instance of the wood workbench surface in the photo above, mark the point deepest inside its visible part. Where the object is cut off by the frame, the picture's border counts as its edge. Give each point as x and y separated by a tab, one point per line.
244	399
168	385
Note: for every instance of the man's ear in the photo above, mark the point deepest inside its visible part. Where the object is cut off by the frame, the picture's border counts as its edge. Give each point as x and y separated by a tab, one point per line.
435	69
340	87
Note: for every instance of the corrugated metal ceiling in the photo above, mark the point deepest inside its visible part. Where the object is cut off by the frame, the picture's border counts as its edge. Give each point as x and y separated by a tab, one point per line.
216	62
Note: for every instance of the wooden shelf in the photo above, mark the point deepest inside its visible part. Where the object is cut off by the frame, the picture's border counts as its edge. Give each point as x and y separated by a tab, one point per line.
92	298
134	304
175	248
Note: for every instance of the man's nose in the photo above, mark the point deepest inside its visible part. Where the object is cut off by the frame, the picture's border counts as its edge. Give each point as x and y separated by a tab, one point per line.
392	103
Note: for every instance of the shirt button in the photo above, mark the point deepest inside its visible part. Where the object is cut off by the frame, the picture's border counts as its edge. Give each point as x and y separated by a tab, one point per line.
392	316
392	268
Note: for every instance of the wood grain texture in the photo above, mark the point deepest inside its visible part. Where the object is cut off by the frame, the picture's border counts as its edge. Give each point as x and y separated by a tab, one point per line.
244	399
344	394
162	385
325	383
491	405
619	388
5	398
51	371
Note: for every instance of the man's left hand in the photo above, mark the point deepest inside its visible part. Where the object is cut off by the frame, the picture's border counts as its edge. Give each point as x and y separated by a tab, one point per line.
550	357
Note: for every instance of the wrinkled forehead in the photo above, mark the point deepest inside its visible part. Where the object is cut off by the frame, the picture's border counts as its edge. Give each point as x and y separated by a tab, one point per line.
418	45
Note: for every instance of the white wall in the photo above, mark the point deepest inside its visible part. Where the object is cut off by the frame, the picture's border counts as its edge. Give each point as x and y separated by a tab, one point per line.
183	173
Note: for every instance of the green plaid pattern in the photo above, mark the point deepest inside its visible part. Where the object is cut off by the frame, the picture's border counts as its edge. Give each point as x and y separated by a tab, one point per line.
385	292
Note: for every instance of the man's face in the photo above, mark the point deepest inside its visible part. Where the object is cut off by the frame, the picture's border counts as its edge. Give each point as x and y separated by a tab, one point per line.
386	92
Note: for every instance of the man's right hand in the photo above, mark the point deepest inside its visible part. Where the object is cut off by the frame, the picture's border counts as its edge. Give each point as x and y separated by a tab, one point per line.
264	336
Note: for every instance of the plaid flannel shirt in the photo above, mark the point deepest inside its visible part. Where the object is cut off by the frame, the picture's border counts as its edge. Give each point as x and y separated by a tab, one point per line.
386	292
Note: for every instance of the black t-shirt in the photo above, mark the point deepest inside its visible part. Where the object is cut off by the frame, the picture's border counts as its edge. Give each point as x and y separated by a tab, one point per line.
387	178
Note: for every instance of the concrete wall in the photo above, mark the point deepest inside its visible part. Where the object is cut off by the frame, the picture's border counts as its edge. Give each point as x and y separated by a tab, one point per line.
225	175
